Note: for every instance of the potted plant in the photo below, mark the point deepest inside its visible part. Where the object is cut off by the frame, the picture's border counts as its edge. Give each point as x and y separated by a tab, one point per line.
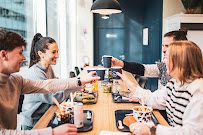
191	5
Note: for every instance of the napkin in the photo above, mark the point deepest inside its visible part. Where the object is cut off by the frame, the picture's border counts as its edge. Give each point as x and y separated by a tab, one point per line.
103	132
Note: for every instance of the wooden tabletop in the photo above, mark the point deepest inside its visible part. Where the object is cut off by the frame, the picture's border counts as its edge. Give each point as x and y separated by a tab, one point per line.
103	114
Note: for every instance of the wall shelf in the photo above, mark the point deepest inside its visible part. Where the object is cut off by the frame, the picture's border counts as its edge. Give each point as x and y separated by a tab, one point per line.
192	22
174	22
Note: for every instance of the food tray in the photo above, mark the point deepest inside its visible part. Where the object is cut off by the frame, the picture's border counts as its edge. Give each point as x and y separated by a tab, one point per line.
88	124
120	99
120	115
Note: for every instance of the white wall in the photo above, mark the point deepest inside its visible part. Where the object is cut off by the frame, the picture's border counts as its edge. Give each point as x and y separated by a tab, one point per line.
84	23
171	7
74	18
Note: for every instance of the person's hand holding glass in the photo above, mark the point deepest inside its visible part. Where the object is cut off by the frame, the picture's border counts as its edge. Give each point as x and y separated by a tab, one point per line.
132	87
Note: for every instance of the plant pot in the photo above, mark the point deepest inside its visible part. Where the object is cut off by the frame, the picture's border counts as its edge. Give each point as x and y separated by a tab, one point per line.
190	11
191	5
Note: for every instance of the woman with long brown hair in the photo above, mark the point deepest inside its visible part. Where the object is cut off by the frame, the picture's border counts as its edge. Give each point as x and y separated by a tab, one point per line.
44	53
182	97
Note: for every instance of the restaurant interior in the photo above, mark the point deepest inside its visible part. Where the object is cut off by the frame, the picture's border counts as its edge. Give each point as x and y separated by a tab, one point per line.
134	34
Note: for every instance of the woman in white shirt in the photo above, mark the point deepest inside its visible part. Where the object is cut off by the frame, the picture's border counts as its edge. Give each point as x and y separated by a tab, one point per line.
181	97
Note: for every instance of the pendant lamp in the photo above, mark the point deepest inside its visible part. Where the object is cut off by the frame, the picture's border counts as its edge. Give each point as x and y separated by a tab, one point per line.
106	7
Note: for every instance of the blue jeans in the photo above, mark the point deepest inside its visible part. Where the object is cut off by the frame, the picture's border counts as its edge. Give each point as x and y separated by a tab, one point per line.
24	127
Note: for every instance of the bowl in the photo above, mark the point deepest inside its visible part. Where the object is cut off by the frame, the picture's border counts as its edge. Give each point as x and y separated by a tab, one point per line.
142	115
62	116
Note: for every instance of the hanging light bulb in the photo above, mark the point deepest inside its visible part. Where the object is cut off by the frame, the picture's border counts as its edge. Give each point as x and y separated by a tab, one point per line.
106	7
105	17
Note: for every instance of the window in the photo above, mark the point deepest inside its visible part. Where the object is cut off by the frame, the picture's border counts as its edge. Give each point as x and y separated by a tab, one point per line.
17	16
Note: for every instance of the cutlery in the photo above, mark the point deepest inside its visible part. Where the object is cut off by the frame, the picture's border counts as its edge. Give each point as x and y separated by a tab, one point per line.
120	125
88	115
128	114
116	98
74	95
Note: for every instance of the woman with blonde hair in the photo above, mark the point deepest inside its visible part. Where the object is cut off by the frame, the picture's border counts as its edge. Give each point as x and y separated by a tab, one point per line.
181	97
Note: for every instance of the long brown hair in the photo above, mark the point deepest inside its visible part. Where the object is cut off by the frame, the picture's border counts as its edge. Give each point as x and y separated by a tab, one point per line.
187	61
39	43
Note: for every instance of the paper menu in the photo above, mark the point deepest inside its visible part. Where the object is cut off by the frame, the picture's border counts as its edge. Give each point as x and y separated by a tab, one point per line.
103	132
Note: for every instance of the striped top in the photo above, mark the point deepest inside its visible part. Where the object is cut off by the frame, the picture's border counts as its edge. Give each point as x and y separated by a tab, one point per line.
186	102
177	100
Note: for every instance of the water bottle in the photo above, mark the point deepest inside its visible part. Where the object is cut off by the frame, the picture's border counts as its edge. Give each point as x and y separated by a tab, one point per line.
116	86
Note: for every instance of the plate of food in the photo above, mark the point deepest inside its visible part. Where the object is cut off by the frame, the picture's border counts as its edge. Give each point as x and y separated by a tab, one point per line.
86	98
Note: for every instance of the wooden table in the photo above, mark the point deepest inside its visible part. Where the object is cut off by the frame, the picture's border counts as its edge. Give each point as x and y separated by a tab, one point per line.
103	113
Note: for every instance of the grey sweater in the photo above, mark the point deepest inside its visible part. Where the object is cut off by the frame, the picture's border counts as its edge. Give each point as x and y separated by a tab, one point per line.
35	105
12	86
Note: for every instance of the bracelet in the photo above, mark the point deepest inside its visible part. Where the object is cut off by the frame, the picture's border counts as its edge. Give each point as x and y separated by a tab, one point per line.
79	82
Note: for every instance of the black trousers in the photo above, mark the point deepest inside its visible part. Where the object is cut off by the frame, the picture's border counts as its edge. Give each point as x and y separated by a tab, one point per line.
24	127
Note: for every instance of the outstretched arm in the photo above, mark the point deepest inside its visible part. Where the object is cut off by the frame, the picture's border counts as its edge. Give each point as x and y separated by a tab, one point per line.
132	67
54	85
65	129
155	100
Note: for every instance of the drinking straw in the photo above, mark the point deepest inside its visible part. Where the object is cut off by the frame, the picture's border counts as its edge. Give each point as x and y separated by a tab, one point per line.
71	99
142	100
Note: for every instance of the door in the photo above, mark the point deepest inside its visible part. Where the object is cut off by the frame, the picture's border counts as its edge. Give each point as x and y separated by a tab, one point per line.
111	42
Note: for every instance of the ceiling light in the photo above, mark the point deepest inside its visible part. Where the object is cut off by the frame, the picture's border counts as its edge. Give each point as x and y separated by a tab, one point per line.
106	7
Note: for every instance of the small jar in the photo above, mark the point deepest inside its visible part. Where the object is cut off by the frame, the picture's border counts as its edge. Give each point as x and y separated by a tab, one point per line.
116	86
107	86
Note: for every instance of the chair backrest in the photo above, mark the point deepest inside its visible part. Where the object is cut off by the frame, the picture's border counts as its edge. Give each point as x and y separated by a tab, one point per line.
20	104
141	80
77	71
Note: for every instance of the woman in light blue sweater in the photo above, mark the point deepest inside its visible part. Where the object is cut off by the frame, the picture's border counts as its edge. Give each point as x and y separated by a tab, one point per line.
44	52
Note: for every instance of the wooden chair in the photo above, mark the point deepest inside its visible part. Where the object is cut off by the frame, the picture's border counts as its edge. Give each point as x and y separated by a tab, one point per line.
77	71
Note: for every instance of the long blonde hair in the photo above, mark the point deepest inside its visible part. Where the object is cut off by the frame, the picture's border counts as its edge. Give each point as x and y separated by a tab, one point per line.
187	61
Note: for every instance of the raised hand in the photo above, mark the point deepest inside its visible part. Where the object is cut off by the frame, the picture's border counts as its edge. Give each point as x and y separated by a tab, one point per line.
89	78
116	62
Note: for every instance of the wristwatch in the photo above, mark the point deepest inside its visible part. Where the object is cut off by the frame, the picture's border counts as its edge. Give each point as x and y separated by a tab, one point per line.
79	82
153	130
